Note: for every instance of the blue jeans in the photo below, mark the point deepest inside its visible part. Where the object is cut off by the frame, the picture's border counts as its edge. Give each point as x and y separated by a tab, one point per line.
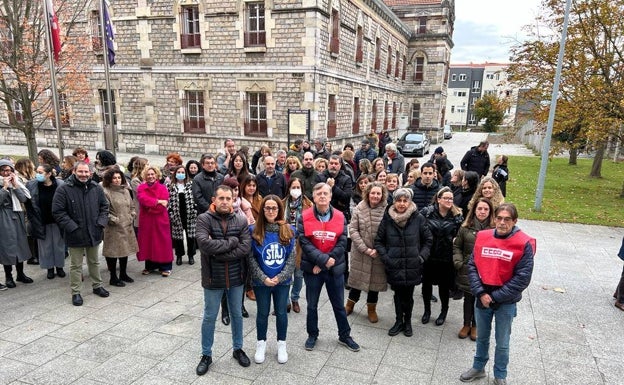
212	303
502	331
334	284
263	304
297	285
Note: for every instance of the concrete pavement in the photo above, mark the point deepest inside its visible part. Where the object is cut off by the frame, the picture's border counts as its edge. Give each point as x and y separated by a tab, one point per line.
567	330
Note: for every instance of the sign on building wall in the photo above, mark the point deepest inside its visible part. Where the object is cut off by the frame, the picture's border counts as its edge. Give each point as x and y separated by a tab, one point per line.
298	123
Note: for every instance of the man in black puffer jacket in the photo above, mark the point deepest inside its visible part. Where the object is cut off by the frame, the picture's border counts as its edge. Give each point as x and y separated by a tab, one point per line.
425	187
224	241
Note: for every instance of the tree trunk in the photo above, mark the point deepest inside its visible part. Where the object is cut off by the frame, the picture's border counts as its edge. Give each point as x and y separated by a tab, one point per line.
31	143
622	193
573	155
597	165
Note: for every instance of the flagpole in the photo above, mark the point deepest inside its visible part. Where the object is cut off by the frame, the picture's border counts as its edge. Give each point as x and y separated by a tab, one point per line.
55	103
109	94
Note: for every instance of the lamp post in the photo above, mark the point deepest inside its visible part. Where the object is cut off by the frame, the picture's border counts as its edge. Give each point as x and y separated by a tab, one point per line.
539	193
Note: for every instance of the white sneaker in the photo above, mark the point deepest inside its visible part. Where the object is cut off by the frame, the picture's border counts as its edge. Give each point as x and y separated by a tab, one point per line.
260	351
282	354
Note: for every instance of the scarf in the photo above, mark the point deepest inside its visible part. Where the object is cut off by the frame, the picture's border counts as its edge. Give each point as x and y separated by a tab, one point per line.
294	207
401	219
17	205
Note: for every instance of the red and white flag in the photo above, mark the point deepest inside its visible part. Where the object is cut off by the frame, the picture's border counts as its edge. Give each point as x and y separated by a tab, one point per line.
55	31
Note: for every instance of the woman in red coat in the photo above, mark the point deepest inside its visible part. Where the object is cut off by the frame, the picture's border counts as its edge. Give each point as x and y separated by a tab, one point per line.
154	228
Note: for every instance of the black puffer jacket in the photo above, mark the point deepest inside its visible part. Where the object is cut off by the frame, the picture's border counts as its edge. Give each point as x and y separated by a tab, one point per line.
224	242
400	248
81	211
443	230
204	186
424	194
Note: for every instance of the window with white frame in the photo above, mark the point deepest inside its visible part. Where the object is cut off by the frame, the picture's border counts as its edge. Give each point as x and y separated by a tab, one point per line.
462	77
193	110
476	86
256	114
255	33
190	35
18	111
453	77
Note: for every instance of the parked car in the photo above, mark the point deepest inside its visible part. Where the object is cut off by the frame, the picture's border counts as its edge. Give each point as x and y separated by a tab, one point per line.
414	143
448	131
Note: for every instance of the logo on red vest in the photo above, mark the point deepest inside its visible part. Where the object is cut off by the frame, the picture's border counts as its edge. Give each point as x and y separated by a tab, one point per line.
492	252
323	235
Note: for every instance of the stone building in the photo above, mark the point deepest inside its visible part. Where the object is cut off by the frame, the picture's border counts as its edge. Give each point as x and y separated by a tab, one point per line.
190	73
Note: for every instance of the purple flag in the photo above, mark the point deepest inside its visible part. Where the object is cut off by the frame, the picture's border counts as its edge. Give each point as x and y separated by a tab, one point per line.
110	47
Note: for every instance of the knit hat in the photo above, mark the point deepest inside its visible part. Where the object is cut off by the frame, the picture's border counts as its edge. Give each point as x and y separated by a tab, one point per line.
439	150
6	162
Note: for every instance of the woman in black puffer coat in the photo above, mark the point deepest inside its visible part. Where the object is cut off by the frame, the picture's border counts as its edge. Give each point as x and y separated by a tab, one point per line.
403	242
443	219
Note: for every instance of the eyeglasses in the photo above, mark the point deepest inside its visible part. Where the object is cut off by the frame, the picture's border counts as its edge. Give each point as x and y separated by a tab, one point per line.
504	219
269	209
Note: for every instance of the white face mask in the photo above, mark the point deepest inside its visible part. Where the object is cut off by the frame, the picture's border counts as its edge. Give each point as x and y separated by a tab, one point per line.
295	193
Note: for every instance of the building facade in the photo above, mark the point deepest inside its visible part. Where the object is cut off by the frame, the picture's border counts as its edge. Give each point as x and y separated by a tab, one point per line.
190	73
468	83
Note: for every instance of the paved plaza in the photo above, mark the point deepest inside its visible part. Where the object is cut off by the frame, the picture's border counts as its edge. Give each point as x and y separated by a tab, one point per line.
567	330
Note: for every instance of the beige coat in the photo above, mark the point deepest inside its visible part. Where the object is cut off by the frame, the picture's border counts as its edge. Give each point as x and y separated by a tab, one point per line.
366	273
119	238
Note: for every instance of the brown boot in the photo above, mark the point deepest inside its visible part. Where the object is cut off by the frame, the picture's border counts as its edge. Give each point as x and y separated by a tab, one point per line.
372	312
473	333
463	333
349	306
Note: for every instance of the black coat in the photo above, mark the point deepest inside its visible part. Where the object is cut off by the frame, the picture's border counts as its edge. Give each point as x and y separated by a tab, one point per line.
81	211
311	256
341	192
277	185
500	173
439	268
401	248
424	194
36	226
204	186
223	254
477	161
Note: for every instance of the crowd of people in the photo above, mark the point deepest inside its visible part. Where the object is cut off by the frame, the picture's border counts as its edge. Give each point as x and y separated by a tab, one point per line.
361	218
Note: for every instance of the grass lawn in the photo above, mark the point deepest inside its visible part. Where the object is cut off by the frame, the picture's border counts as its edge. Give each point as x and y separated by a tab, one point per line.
570	195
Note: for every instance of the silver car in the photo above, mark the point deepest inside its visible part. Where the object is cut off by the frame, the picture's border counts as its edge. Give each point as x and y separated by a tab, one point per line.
414	143
448	131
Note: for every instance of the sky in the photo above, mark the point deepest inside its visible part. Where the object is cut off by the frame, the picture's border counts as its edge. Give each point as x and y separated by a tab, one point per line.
486	29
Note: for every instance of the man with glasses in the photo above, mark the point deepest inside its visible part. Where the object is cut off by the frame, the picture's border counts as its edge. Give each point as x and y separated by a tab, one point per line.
308	175
322	233
499	270
425	187
205	183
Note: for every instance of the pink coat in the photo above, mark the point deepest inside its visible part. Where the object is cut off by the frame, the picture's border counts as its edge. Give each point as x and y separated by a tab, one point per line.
154	229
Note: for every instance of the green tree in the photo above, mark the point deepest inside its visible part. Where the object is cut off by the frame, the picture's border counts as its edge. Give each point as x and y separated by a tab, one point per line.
492	109
24	71
590	107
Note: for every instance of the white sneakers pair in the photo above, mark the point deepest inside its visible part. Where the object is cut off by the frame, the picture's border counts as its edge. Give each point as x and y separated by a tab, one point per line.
282	354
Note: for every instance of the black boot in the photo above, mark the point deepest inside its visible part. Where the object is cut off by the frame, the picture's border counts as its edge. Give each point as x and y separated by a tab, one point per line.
179	260
398	326
9	282
21	277
225	313
427	314
112	268
51	274
191	260
407	321
442	317
123	275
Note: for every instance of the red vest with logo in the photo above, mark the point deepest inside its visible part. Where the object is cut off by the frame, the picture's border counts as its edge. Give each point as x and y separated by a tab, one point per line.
496	258
323	235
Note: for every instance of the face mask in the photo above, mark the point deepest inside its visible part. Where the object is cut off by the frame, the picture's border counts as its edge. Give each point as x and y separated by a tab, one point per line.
40	177
180	176
295	193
